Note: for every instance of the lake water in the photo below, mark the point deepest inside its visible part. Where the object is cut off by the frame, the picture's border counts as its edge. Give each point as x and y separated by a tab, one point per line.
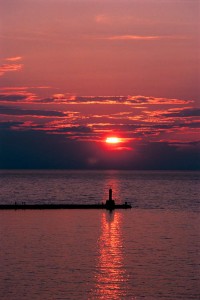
148	252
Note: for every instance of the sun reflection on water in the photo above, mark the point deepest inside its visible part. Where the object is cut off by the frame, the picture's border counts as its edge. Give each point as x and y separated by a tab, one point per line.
111	277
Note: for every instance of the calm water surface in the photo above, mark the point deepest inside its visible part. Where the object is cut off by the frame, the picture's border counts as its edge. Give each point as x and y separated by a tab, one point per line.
149	252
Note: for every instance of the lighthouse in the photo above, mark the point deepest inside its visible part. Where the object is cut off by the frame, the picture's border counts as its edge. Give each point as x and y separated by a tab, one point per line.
110	203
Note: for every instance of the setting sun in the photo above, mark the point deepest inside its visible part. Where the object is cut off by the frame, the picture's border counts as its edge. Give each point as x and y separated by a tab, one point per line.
113	140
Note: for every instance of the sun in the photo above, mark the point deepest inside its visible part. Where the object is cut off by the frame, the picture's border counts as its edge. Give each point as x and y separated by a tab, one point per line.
113	140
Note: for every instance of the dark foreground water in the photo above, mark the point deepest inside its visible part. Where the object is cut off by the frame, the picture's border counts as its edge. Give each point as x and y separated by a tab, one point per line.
148	252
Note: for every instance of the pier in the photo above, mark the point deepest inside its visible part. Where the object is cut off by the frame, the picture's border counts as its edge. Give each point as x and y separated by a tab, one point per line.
109	205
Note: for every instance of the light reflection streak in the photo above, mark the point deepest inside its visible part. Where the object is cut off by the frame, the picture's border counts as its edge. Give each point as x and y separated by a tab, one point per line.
111	278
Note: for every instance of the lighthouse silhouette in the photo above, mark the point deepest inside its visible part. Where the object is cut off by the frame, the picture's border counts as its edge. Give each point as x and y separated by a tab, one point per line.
110	203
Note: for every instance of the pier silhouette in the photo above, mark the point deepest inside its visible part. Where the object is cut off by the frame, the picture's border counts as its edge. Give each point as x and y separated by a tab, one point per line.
109	205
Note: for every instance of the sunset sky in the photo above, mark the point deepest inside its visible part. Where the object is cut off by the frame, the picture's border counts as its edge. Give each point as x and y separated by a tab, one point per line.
76	72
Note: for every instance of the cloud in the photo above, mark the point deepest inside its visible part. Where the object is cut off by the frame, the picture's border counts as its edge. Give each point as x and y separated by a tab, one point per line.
131	100
182	113
36	150
9	68
12	97
175	143
174	115
140	100
76	129
130	37
5	110
9	125
156	101
15	96
192	124
14	88
16	58
72	99
23	88
91	118
23	94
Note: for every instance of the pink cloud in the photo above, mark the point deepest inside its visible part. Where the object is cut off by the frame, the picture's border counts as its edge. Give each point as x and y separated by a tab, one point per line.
152	100
9	68
16	58
141	37
19	95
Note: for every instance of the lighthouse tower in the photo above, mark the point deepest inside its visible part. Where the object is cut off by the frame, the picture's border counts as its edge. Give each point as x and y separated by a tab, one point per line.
110	203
